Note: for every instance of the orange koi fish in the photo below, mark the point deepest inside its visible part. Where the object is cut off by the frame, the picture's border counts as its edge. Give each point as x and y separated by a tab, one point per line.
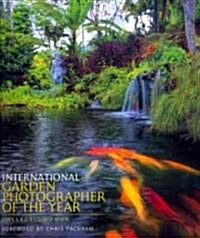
131	190
99	151
148	161
160	205
124	199
179	166
122	164
112	234
128	232
125	153
113	149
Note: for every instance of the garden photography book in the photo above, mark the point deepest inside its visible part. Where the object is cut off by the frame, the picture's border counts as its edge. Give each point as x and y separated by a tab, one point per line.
100	118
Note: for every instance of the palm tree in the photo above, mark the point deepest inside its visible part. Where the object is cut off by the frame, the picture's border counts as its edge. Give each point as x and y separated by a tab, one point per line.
74	18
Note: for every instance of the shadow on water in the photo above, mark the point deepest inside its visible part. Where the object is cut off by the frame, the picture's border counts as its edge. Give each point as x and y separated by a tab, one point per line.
34	140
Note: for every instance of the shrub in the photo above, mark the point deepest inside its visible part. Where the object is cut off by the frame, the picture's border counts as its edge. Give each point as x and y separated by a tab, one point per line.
110	87
118	54
40	70
169	55
163	58
179	110
85	83
16	54
74	70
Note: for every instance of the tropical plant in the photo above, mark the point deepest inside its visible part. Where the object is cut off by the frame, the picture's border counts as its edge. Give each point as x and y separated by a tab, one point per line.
110	87
110	31
48	18
74	18
178	111
57	21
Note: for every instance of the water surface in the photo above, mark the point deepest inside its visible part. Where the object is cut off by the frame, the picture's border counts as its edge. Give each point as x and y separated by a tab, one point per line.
34	140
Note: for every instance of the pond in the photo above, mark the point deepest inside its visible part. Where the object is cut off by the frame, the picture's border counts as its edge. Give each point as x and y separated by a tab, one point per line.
35	140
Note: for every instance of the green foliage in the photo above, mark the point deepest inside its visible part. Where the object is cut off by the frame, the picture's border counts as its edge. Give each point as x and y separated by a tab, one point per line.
175	16
21	18
197	12
110	87
50	19
164	58
144	67
16	53
85	83
179	110
56	97
110	31
169	55
76	13
39	73
74	17
57	21
137	9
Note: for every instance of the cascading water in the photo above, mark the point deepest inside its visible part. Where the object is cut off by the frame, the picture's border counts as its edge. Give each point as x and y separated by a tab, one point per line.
138	94
131	101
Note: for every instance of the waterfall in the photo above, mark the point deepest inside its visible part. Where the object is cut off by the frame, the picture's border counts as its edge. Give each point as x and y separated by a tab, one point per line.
131	101
139	93
144	95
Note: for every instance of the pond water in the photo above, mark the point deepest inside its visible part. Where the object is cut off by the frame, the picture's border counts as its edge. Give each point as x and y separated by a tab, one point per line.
34	140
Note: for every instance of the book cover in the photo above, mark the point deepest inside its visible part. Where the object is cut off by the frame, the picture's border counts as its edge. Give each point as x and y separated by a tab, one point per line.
100	119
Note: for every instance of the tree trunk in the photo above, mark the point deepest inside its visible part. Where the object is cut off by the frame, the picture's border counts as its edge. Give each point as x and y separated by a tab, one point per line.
163	16
164	9
96	17
155	17
73	45
189	16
